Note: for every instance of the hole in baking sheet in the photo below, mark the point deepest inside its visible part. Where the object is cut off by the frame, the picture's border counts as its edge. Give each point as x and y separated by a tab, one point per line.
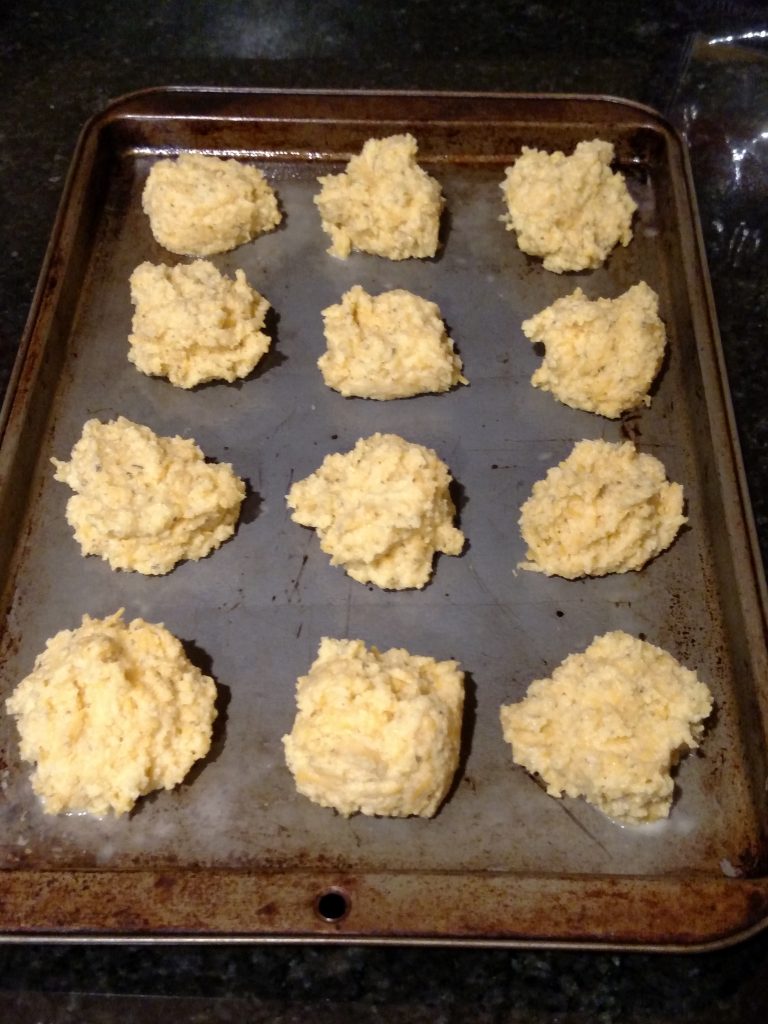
332	905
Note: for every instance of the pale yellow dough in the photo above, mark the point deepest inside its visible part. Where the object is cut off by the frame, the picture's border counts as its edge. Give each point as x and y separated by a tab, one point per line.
383	203
377	733
609	725
144	502
570	210
601	355
392	345
192	324
606	508
199	205
111	711
381	510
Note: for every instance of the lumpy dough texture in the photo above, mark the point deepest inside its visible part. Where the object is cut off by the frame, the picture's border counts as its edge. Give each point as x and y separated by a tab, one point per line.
570	210
144	502
111	711
606	508
392	345
601	355
377	733
383	203
198	205
381	510
191	324
609	725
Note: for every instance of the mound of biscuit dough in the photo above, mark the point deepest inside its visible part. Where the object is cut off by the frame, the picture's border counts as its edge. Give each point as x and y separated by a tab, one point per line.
381	510
606	508
383	203
377	733
191	324
111	711
144	502
199	205
194	325
609	725
392	345
570	210
603	355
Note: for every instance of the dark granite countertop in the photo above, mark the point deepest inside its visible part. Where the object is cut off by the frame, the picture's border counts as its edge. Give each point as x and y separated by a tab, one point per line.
61	64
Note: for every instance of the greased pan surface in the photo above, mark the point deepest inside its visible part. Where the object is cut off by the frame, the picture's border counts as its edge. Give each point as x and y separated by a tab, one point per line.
235	852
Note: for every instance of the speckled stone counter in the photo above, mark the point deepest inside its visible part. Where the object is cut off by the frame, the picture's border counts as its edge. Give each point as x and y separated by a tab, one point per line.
61	64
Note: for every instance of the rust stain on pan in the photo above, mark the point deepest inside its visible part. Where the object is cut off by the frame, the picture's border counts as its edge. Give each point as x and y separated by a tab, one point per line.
679	912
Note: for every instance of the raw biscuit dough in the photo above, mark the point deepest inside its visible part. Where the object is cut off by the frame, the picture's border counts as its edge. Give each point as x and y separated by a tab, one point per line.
377	733
609	725
111	711
606	508
199	205
601	355
381	510
571	210
383	203
392	345
193	325
144	502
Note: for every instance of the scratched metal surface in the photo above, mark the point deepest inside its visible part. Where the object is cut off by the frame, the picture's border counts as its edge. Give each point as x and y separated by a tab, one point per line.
254	612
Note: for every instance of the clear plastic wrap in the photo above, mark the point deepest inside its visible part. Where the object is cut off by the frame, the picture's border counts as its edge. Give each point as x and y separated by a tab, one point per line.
721	108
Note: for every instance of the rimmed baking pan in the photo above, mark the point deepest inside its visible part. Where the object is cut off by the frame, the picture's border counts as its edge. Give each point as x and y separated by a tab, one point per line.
234	853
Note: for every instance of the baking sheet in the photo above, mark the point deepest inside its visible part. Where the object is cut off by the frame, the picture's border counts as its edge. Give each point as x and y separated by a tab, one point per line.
252	613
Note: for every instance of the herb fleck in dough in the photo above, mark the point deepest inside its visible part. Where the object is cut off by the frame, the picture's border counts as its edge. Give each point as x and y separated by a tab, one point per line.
381	510
609	724
144	502
111	711
377	733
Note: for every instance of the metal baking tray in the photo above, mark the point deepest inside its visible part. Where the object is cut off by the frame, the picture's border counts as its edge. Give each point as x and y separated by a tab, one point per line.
234	853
